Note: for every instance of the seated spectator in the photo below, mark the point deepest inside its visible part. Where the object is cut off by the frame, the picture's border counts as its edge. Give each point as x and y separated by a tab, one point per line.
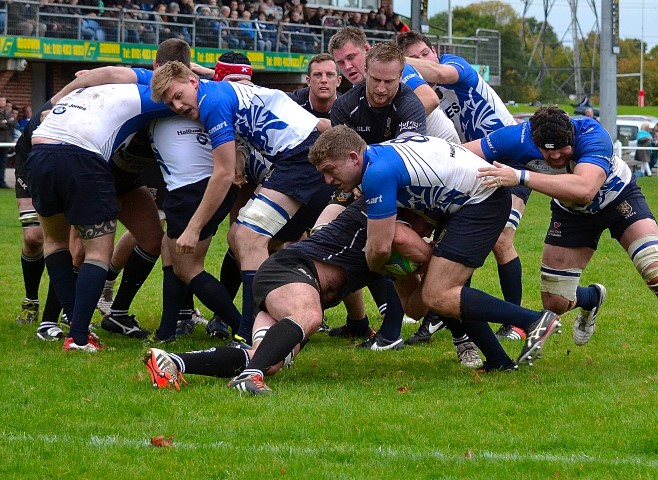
133	26
399	25
207	28
182	28
247	30
300	39
265	33
383	28
233	31
372	19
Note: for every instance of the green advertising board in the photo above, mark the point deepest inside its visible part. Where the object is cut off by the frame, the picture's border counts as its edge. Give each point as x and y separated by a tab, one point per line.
31	48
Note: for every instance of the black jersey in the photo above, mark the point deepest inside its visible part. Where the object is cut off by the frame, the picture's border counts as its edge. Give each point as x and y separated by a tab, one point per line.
342	243
375	125
301	97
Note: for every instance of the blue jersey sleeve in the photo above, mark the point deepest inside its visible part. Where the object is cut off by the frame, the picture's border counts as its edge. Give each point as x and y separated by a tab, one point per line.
144	76
384	174
411	77
512	144
593	144
467	74
218	105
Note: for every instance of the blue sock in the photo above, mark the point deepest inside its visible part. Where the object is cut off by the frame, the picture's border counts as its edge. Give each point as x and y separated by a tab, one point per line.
392	323
510	275
88	289
483	337
477	306
174	292
214	295
247	321
587	297
62	278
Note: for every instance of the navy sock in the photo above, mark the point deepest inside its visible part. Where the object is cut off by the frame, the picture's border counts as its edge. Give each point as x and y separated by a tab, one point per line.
510	276
222	362
52	308
173	297
187	309
32	270
137	270
213	295
483	337
230	274
60	271
278	342
112	273
587	297
379	291
358	327
453	325
392	323
477	306
91	280
247	320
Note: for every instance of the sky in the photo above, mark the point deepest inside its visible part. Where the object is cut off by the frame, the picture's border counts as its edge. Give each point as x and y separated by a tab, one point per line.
633	14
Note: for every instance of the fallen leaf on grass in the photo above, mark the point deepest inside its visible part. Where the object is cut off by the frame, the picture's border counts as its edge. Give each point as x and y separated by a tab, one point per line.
468	454
283	470
404	389
161	441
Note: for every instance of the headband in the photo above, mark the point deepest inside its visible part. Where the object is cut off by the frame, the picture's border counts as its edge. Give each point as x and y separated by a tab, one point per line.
232	71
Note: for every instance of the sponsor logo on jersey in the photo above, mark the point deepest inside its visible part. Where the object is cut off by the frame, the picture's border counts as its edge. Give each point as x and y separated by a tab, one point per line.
202	138
410	125
59	109
362	129
188	131
217	128
372	201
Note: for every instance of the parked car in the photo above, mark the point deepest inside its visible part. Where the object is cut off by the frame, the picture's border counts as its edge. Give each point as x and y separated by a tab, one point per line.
627	128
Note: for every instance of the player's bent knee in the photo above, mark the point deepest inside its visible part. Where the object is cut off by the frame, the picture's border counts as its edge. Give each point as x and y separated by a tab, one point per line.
263	216
558	287
644	253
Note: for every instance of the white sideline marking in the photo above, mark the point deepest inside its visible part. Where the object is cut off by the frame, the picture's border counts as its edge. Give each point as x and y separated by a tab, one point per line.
404	453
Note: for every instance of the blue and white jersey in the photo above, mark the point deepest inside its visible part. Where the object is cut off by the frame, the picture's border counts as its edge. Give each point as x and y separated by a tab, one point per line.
592	145
266	118
101	119
473	106
422	173
182	150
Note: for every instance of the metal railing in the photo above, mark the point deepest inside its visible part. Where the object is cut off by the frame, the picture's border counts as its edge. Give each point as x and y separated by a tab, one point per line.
57	20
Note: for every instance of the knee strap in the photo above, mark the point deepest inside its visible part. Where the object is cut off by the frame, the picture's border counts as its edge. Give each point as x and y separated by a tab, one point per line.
263	216
561	282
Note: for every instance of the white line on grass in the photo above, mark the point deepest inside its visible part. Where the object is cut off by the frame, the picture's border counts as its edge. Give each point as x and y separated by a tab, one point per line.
401	452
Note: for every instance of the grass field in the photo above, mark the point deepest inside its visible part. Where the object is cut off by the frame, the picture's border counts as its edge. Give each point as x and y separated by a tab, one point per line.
581	412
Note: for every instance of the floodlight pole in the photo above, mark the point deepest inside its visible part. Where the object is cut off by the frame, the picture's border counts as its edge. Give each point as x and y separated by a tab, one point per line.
608	70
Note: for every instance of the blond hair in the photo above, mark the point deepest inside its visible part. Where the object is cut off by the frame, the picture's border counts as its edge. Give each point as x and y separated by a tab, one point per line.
385	53
335	143
164	76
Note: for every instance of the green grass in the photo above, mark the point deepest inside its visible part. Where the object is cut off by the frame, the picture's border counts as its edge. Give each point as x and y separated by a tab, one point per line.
581	412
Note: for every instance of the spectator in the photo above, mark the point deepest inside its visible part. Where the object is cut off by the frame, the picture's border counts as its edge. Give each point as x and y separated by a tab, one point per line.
383	28
20	20
7	124
300	39
133	26
233	30
186	7
265	33
25	119
654	152
399	25
181	30
355	20
644	139
372	19
207	28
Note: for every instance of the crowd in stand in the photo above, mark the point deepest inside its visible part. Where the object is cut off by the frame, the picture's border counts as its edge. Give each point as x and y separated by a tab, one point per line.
268	25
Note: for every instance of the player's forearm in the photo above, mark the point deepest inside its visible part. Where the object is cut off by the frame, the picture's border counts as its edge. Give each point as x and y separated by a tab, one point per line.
97	76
